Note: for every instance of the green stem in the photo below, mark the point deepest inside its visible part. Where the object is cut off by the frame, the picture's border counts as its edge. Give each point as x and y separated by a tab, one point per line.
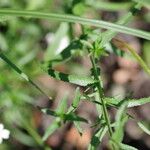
138	58
75	19
101	95
35	135
22	74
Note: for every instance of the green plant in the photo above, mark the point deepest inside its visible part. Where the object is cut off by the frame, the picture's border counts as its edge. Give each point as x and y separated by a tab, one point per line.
94	48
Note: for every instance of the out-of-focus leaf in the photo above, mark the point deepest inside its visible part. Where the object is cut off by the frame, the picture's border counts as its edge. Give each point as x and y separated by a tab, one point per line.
126	147
77	97
27	58
73	107
145	2
130	102
51	129
108	35
77	125
3	42
75	79
62	106
73	117
126	47
108	6
65	117
146	53
121	119
53	48
144	128
35	4
21	73
97	138
50	112
79	9
74	48
24	138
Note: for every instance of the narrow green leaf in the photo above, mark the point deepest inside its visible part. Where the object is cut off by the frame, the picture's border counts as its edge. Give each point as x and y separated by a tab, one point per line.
66	117
138	102
131	102
62	106
97	138
24	138
124	20
108	6
126	147
77	97
121	119
50	112
145	2
51	51
144	128
75	79
75	19
73	117
22	74
78	127
51	129
67	53
73	107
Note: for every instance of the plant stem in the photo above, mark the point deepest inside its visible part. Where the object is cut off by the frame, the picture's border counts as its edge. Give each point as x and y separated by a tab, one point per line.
101	95
35	135
22	74
75	19
125	46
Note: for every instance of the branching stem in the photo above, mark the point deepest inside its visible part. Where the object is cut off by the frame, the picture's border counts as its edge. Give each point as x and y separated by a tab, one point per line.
101	94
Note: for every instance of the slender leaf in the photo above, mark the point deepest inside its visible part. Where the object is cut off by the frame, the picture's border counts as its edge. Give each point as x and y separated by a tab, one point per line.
121	119
97	138
52	49
125	46
124	20
62	105
145	2
24	138
108	6
66	53
73	117
65	117
131	102
73	107
75	19
51	129
144	128
22	74
75	79
77	97
78	127
126	147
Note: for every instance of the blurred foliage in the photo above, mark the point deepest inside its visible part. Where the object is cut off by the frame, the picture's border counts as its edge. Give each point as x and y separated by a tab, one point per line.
27	42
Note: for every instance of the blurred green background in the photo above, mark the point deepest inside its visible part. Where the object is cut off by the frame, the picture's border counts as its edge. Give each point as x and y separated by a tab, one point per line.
30	42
